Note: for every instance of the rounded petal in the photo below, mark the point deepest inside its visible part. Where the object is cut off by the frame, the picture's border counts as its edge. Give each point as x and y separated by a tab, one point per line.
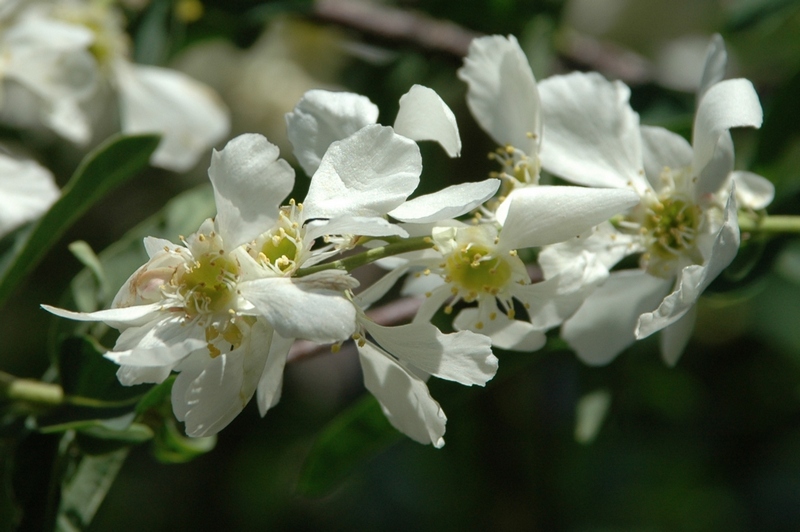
502	93
423	115
189	115
693	279
447	203
463	357
752	190
404	397
323	117
367	174
727	104
250	182
604	325
536	216
591	133
514	335
312	307
27	190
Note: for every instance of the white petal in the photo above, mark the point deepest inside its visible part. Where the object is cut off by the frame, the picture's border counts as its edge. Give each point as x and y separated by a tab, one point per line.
604	325
727	104
449	202
714	69
27	190
379	288
131	375
367	174
270	386
423	115
210	392
162	342
120	317
404	397
536	216
663	149
312	307
355	225
189	115
693	279
591	133
155	246
553	300
752	190
502	92
675	337
514	335
608	246
250	183
463	357
323	117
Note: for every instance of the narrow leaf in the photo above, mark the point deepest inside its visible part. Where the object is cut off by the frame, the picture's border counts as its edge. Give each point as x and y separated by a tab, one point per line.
355	436
105	168
82	493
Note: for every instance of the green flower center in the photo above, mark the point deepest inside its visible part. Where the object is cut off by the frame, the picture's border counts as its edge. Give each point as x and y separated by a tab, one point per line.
673	225
476	271
208	285
280	249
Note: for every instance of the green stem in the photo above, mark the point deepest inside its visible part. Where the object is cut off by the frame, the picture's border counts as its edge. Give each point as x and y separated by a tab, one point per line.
30	391
47	394
351	263
769	224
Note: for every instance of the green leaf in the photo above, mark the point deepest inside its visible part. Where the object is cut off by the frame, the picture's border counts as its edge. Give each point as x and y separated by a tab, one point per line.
353	437
108	166
90	384
85	489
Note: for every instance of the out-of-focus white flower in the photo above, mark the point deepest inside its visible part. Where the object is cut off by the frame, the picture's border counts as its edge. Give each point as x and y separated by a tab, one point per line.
64	52
27	190
685	225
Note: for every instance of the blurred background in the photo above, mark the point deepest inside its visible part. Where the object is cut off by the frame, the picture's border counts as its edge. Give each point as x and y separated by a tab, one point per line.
712	444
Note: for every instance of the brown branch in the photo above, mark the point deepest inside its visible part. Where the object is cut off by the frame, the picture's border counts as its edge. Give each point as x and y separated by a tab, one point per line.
397	24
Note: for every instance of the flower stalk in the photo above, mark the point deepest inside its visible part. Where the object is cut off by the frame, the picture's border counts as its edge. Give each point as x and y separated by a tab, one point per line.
769	224
351	263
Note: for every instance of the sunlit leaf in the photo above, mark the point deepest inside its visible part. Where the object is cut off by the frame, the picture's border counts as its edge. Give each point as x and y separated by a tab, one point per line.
105	168
353	437
85	489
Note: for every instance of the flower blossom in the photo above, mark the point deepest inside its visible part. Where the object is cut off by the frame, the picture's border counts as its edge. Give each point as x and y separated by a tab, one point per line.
685	225
27	190
60	57
478	263
223	308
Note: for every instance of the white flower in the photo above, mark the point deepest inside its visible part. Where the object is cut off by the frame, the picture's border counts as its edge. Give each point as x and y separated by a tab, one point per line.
479	263
27	190
685	225
65	52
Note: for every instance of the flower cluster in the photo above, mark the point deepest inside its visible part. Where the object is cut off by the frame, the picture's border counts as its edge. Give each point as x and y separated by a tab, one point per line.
223	307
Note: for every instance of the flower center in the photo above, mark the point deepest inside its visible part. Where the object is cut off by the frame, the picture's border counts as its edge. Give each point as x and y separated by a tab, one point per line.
671	227
516	166
475	271
208	286
104	23
280	247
